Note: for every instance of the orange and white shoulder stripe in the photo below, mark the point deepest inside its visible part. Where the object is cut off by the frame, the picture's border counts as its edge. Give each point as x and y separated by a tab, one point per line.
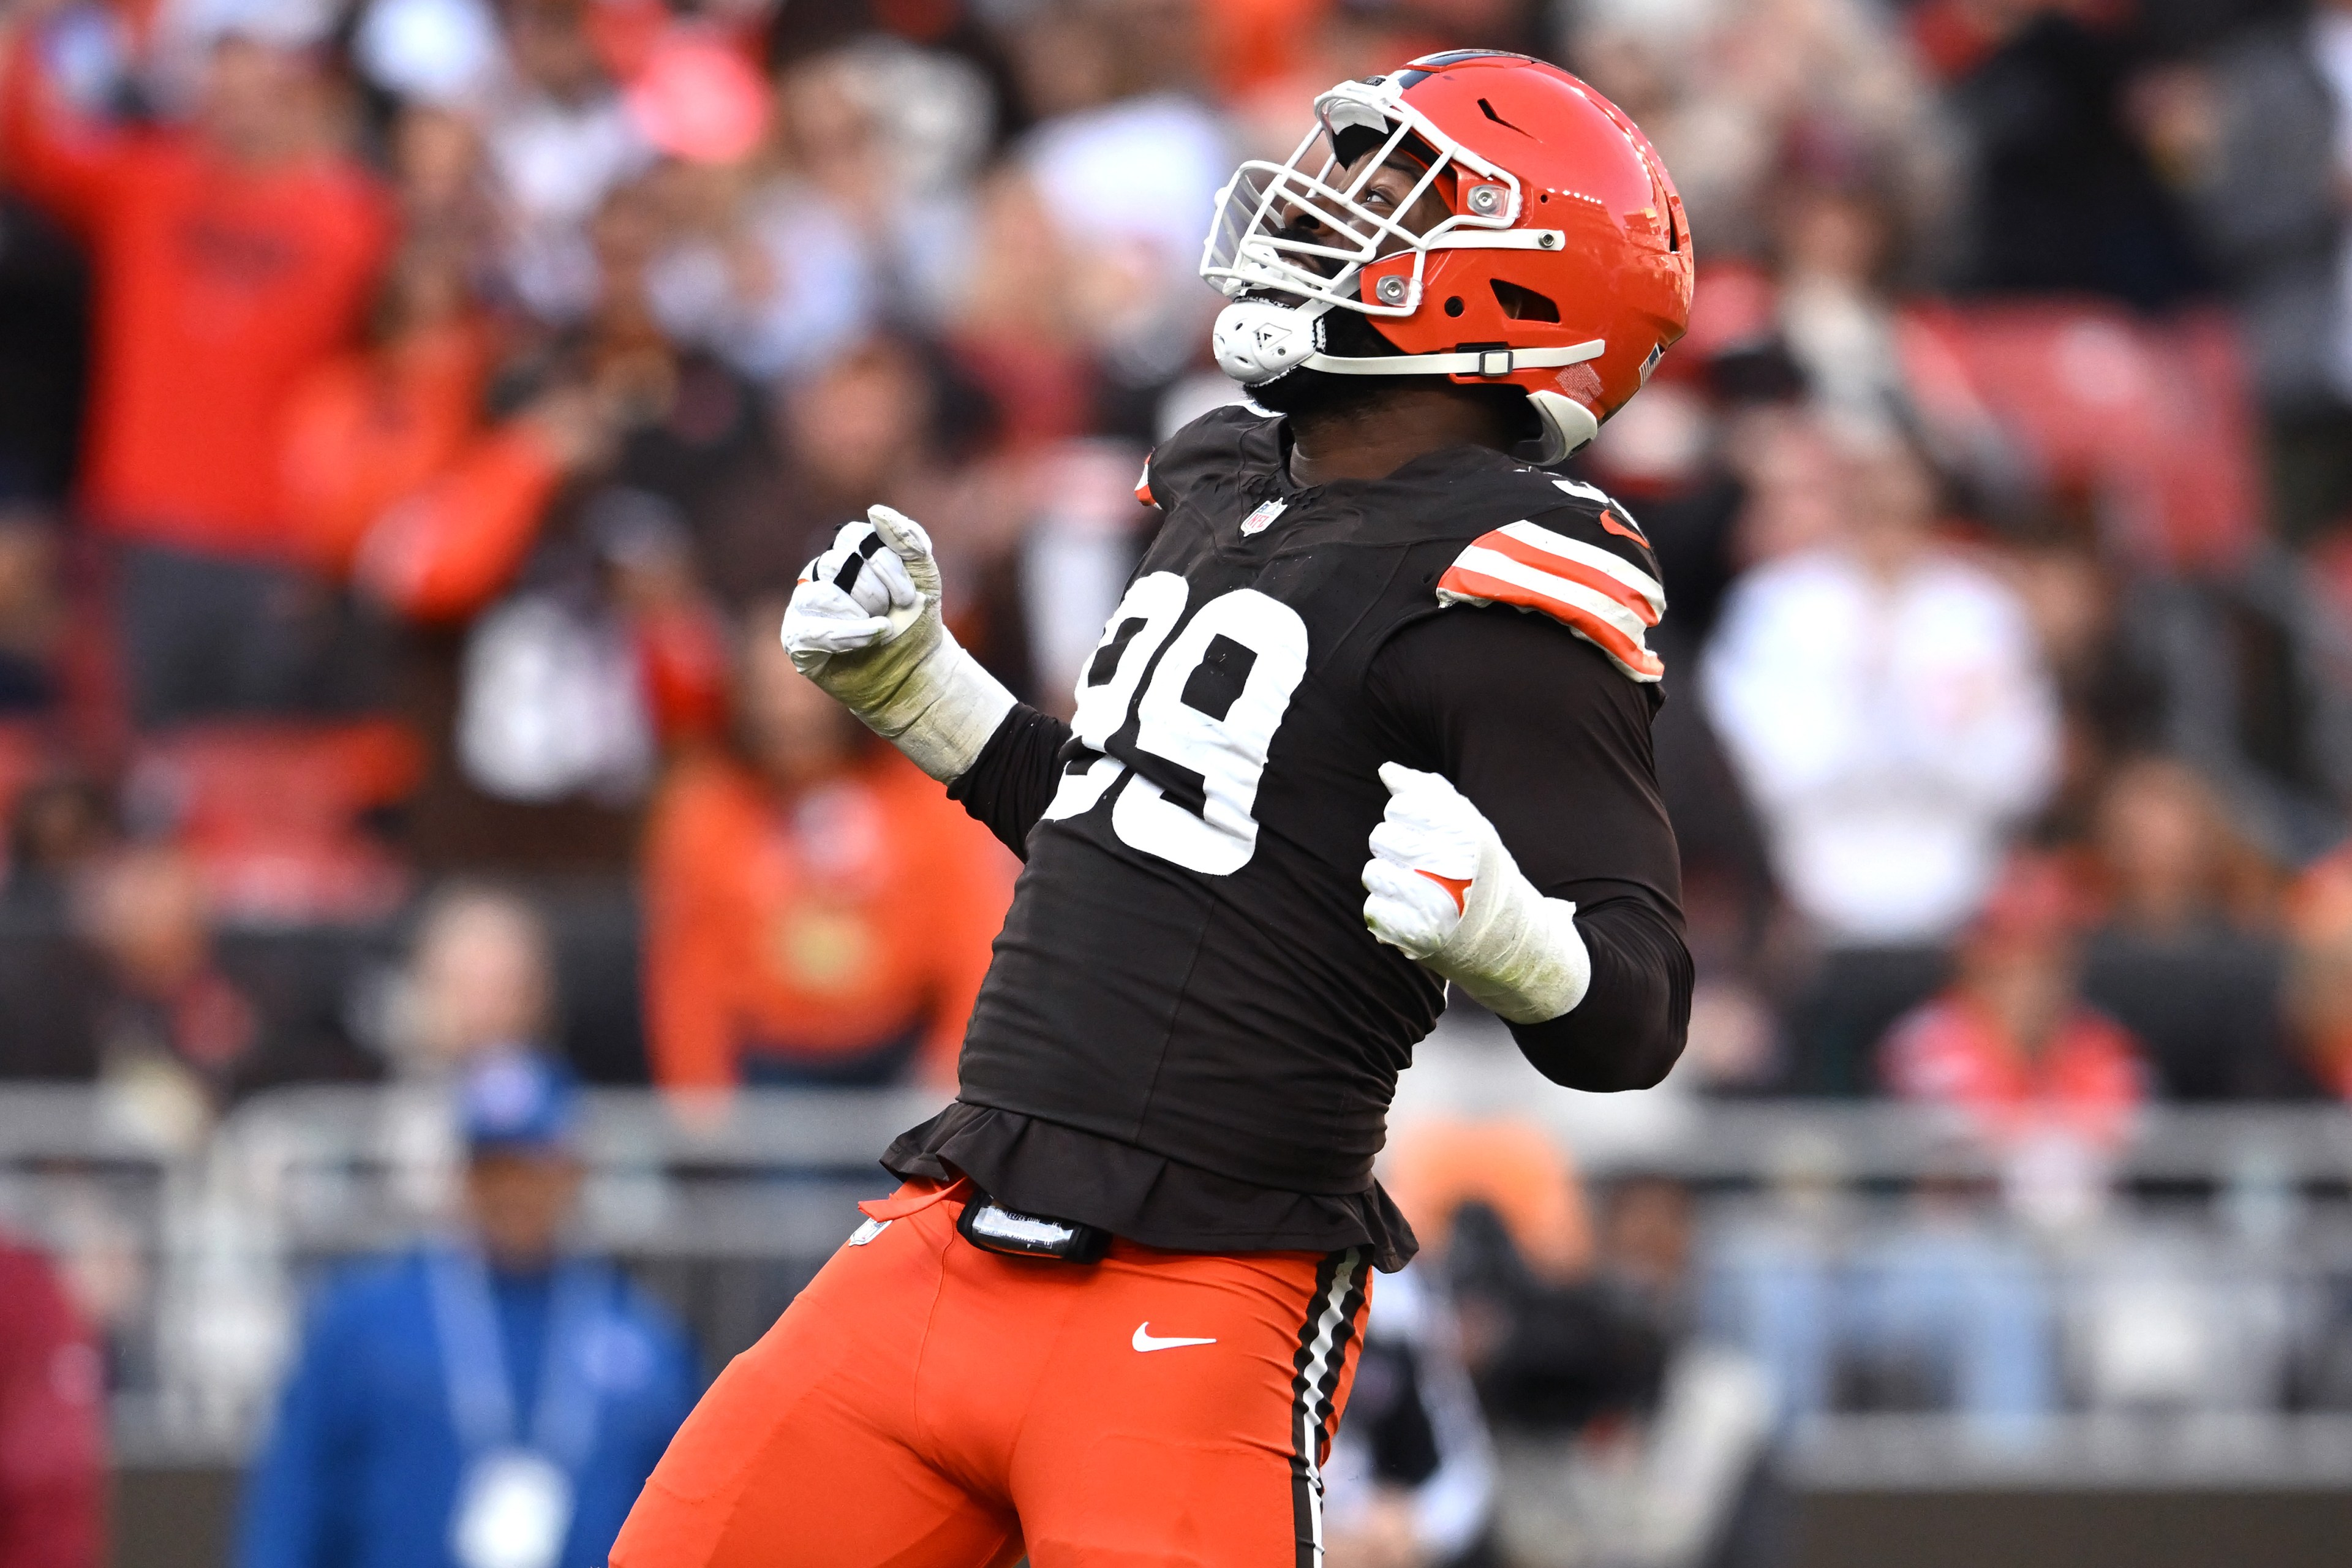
1143	484
1595	592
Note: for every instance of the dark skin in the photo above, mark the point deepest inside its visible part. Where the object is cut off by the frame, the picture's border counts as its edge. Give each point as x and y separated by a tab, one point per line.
1373	438
520	1201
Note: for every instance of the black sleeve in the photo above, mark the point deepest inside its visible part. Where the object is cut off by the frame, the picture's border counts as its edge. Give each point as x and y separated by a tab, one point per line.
1552	743
1012	782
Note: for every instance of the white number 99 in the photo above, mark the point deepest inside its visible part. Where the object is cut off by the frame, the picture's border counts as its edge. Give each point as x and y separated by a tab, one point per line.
1204	721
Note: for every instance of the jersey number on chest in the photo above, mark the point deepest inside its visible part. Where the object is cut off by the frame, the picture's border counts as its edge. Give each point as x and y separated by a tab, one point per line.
1191	713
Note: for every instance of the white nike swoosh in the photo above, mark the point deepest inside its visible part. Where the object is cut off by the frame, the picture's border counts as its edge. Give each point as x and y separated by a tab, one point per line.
1146	1341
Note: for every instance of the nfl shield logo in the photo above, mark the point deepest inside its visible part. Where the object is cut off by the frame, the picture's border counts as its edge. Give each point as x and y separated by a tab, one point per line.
1255	523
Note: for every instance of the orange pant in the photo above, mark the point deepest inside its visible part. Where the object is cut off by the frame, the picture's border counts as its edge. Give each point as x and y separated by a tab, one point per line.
926	1405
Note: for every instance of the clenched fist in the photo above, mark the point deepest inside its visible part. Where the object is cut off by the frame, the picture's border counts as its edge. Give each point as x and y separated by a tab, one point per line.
1443	889
864	624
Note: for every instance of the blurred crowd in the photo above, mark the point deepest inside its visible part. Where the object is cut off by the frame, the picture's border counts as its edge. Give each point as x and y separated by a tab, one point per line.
417	408
413	410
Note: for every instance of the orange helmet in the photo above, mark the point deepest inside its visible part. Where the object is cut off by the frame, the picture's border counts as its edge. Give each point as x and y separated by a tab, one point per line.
1562	265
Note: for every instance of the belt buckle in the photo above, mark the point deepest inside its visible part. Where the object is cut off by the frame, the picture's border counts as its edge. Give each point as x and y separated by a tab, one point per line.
991	1228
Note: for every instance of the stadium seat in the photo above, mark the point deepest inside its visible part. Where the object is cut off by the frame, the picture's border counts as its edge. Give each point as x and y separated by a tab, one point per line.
272	812
2150	421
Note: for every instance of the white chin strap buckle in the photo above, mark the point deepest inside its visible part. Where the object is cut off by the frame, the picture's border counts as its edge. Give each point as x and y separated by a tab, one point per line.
1257	339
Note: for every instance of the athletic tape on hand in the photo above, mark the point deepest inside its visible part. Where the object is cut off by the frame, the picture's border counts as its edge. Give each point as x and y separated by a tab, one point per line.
864	625
1443	889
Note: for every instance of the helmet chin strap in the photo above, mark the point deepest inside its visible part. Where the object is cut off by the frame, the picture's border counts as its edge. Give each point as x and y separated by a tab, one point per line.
1497	362
1259	340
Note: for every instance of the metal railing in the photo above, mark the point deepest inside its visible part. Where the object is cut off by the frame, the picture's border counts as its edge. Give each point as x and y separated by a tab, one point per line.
2234	1224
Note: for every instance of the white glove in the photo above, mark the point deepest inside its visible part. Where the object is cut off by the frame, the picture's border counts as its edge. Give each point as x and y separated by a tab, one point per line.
864	624
1445	891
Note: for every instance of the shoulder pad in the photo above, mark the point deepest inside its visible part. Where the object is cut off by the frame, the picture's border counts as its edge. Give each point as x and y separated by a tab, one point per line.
1586	564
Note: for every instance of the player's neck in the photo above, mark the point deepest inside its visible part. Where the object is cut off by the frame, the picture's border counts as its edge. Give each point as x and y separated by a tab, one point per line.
1372	440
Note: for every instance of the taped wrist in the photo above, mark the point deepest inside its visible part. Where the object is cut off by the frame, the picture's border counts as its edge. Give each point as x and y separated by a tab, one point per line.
956	705
1517	953
938	704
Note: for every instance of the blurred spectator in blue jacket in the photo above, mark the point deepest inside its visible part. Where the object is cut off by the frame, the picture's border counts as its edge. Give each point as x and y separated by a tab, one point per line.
487	1401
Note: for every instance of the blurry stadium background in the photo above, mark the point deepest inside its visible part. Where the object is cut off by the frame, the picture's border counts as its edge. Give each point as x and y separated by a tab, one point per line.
411	412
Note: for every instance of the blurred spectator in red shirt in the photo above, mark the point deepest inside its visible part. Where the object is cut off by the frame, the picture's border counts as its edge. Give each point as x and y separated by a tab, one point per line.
557	635
391	471
1016	326
817	910
52	1422
231	256
2011	1041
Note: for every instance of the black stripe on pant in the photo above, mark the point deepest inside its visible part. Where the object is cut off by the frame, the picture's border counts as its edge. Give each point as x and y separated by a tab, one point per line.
1332	1310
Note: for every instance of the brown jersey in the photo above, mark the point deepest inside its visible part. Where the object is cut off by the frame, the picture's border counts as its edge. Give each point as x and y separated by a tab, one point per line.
1185	972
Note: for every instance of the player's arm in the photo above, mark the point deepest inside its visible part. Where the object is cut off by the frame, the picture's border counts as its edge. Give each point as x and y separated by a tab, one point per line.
1009	787
1525	854
69	162
864	624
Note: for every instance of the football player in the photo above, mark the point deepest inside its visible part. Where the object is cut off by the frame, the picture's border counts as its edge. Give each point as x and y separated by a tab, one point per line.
1372	720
